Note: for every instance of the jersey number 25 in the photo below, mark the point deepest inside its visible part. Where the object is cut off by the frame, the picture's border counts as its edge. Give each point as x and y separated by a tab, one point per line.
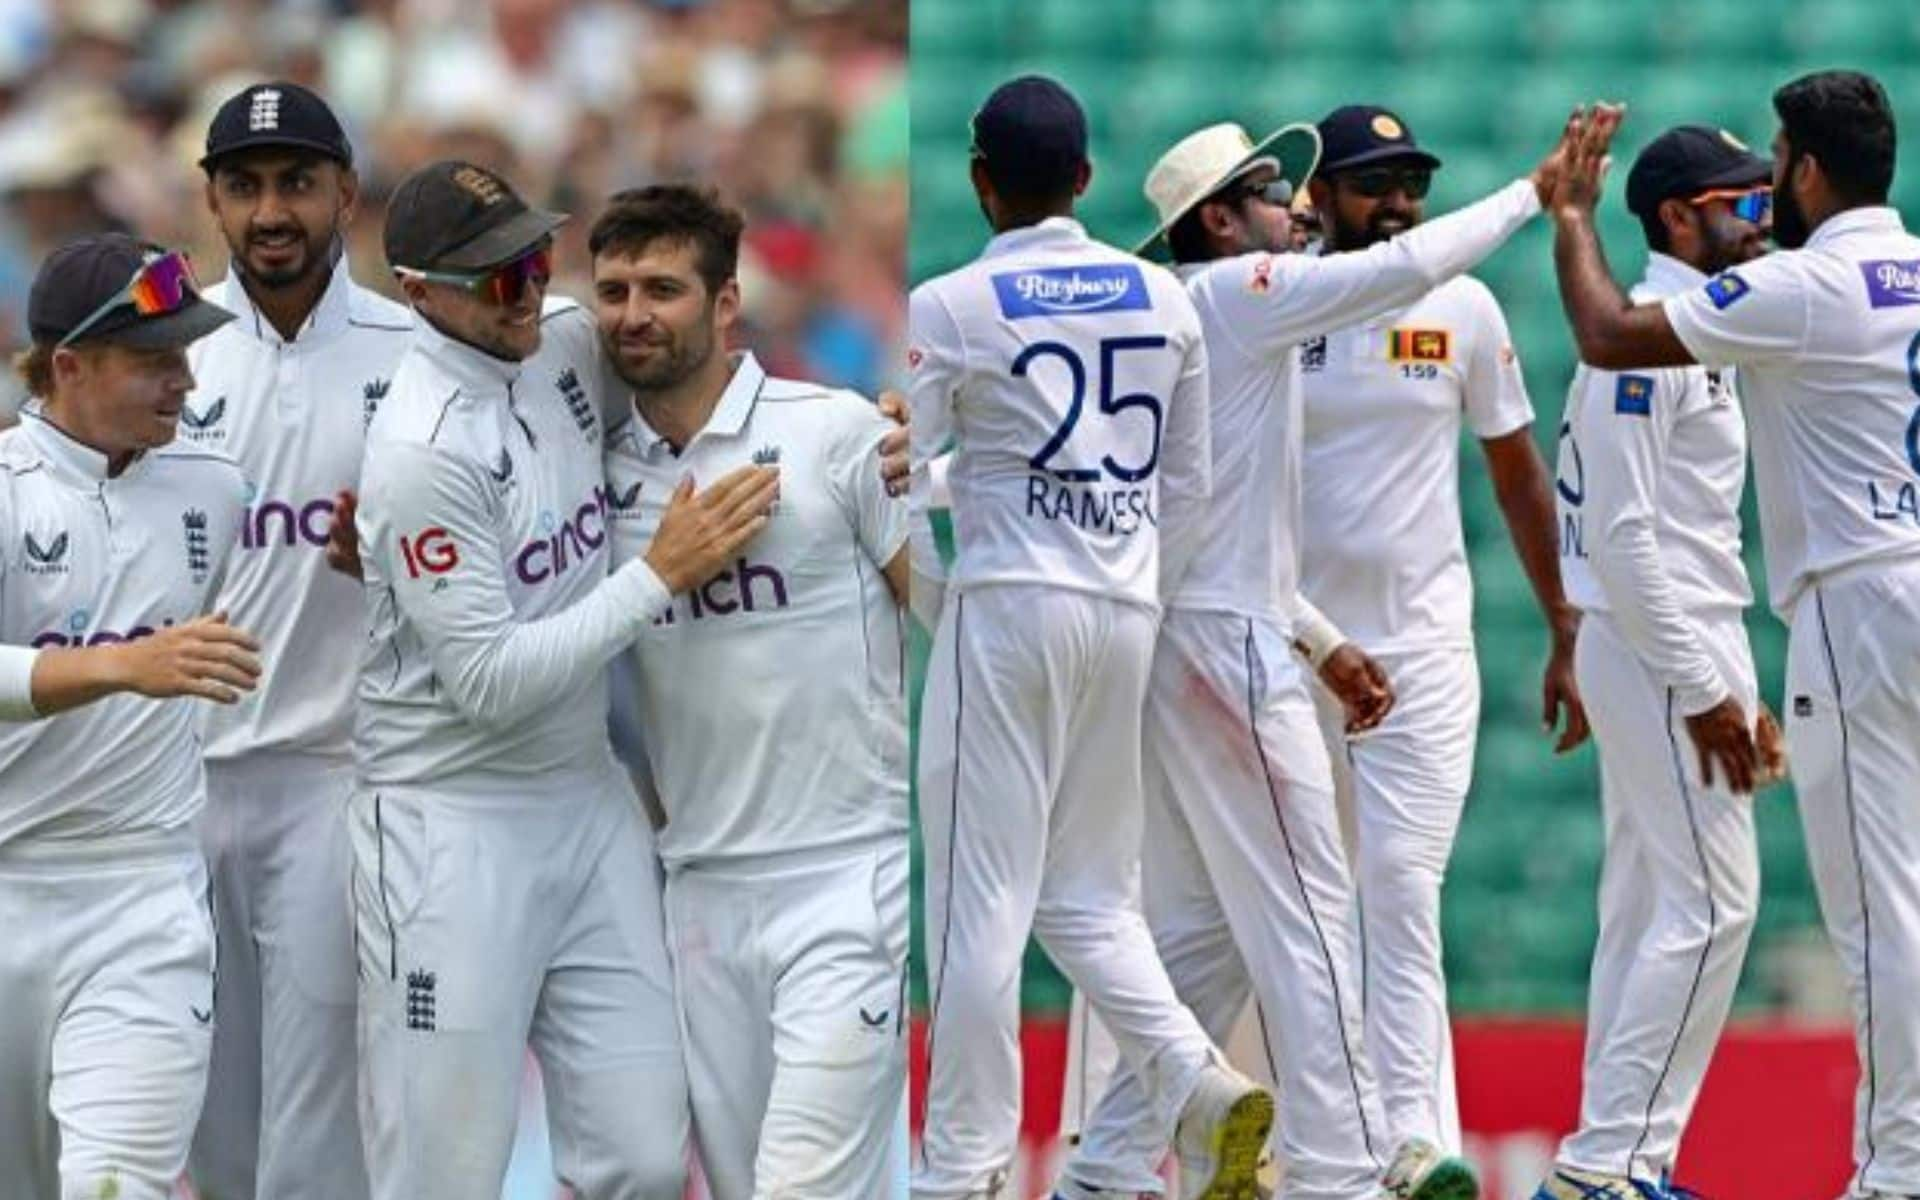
1110	404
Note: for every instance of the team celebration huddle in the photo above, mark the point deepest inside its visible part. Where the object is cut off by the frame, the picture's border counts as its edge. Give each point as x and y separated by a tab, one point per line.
310	822
1202	699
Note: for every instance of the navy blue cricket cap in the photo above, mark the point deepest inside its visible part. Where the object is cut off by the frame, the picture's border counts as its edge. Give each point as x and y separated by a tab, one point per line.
1687	160
278	114
80	277
1032	135
1359	135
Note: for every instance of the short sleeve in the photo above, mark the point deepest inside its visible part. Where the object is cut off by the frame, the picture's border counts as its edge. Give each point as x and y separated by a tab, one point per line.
1754	313
1496	389
879	520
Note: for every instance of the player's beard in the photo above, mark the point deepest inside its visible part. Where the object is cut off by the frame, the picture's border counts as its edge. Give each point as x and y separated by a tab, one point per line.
675	359
1384	223
317	253
1790	230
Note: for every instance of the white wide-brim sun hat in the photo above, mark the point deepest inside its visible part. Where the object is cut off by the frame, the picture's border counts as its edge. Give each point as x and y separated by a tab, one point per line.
1206	160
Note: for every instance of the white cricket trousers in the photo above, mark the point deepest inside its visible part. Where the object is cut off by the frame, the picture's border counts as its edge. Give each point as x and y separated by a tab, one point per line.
791	975
1031	811
486	923
1401	787
1853	733
1248	893
280	1119
1679	887
106	1011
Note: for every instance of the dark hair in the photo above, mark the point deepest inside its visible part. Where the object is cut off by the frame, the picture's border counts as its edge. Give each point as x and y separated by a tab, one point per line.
1187	238
1843	119
1043	188
675	212
1656	231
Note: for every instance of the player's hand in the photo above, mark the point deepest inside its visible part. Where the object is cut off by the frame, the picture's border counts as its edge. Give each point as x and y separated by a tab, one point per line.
699	535
1722	736
1583	170
1771	746
204	657
1560	695
343	542
894	464
1546	175
1359	684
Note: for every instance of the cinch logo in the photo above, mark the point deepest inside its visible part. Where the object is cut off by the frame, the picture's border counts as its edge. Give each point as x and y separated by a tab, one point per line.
77	635
1892	283
278	523
431	550
48	558
563	542
204	426
748	587
1071	291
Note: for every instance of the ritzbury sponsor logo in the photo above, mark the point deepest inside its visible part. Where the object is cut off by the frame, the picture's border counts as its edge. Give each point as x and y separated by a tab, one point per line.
1892	283
564	542
1071	291
286	523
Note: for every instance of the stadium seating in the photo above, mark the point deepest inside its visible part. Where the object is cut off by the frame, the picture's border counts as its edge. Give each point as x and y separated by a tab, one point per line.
1486	84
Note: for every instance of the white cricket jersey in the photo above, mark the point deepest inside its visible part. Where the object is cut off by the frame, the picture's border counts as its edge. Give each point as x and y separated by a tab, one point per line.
1827	339
1256	309
1384	402
1652	465
483	534
294	414
773	695
1070	378
85	560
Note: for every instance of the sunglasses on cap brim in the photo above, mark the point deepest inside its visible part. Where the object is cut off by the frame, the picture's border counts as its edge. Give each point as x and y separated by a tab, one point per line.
1277	192
504	285
162	284
1752	205
1375	182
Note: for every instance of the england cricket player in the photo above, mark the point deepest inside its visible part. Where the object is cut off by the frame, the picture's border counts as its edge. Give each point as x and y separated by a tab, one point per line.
1071	380
1246	884
1652	464
1384	404
783	778
1825	334
288	390
115	540
505	888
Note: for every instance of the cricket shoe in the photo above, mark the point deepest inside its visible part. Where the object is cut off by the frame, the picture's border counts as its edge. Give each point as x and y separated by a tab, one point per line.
1568	1184
1419	1171
1223	1129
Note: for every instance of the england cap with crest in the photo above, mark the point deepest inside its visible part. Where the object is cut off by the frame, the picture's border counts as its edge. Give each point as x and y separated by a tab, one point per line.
275	114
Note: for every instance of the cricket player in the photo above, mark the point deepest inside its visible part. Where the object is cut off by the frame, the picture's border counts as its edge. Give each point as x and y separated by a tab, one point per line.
1825	335
1246	883
1071	380
1652	465
116	538
288	390
505	888
783	777
1384	402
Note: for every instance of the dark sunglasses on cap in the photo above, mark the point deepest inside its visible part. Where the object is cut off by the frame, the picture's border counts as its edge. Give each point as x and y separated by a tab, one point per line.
1752	205
162	284
505	285
1375	182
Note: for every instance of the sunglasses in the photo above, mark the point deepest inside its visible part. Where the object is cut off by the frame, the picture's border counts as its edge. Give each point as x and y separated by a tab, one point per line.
1752	205
162	284
1375	182
1277	192
505	285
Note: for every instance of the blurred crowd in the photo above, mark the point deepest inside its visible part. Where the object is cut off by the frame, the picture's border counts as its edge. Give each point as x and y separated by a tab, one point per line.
795	109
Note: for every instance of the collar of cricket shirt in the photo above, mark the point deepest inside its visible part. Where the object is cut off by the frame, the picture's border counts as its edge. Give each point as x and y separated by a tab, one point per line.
1668	276
729	416
1060	229
71	460
1872	218
329	315
469	368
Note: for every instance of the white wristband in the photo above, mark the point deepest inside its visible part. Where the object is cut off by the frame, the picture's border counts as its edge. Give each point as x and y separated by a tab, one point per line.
1314	636
16	683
